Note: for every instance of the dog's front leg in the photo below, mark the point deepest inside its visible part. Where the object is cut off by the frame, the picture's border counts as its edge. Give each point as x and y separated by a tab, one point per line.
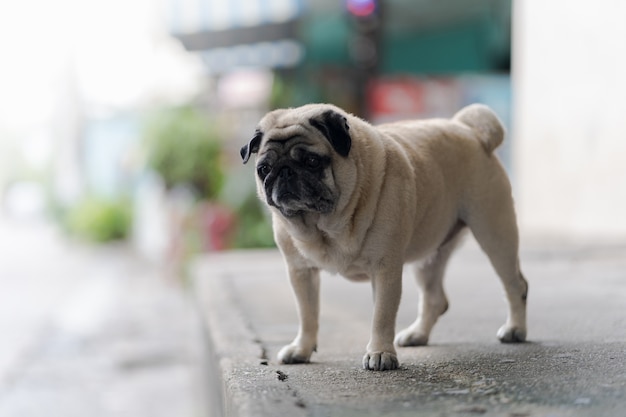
306	287
387	287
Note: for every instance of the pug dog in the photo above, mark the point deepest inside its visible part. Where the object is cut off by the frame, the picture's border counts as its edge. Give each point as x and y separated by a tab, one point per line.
362	201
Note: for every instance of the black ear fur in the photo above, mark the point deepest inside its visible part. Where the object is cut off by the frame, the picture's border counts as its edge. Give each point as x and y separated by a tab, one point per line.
335	128
251	147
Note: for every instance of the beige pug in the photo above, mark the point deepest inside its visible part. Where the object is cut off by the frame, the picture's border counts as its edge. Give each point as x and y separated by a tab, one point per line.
362	201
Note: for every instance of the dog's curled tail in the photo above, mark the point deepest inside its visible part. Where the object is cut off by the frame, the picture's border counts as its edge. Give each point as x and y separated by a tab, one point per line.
485	123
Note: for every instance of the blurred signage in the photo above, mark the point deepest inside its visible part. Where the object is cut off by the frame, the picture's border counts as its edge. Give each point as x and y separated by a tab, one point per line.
405	97
267	32
397	97
186	17
409	97
279	54
235	34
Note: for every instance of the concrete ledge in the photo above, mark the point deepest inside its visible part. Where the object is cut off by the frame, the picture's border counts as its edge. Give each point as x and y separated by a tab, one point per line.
572	366
241	382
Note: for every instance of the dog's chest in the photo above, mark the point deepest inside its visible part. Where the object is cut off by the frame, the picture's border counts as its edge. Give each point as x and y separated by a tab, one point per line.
333	256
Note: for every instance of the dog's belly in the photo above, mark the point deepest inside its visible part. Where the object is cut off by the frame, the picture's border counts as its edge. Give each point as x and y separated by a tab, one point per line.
355	263
351	273
356	275
348	270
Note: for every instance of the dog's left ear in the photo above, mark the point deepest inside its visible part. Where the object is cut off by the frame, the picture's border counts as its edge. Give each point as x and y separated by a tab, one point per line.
251	147
334	127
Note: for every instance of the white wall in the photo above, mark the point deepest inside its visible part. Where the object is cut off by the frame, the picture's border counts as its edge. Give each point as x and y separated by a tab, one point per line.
569	116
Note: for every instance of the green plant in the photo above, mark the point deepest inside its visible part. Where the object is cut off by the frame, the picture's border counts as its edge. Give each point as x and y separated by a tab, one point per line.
182	146
100	220
254	228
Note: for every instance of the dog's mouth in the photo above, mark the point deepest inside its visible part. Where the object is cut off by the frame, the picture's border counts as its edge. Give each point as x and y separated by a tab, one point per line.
288	204
292	205
285	209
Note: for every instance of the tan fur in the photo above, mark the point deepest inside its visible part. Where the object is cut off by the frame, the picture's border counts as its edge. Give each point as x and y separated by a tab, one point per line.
402	193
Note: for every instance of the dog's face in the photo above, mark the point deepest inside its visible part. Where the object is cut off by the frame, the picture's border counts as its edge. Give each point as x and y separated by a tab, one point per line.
298	151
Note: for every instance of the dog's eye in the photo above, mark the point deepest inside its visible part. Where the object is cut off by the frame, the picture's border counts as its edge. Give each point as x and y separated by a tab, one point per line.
263	170
312	161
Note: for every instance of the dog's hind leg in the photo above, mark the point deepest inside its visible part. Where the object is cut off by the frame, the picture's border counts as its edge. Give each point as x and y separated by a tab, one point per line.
432	298
493	223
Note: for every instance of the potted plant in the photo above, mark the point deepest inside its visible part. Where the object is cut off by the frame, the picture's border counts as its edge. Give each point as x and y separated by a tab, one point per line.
183	148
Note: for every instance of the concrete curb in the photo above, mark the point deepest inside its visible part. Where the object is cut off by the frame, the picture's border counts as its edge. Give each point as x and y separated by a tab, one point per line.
240	380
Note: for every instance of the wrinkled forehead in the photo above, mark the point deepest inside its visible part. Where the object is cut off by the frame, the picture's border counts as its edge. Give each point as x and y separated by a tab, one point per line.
284	129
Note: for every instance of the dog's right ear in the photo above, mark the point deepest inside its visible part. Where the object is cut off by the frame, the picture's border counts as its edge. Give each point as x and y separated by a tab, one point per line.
251	147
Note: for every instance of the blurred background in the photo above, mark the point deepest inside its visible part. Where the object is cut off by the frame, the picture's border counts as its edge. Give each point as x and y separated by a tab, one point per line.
122	117
121	120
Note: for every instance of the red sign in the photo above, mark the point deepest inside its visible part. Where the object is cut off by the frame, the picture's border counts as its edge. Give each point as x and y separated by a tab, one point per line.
398	97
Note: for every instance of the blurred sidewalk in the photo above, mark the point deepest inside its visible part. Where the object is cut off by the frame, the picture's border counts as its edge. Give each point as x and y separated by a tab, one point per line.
573	365
92	331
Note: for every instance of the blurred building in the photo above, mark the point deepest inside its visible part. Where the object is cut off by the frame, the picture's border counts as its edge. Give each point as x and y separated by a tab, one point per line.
569	117
422	58
393	37
381	59
76	126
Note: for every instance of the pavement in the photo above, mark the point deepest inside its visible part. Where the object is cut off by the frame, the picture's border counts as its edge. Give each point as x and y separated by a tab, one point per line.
93	331
97	331
574	363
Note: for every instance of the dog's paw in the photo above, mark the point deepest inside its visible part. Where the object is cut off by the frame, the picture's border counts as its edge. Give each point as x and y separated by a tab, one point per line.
409	337
512	334
380	361
292	354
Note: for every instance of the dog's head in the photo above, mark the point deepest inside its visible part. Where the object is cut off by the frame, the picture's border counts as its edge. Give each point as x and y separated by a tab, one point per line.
297	152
